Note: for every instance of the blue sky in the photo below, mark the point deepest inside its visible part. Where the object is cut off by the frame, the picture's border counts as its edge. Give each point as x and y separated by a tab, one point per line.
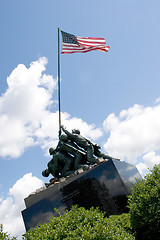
113	98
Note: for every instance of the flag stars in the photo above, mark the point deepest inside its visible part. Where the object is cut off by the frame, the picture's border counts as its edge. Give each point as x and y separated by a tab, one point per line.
69	38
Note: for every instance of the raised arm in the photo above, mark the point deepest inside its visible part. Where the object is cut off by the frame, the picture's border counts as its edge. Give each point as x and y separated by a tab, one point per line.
66	131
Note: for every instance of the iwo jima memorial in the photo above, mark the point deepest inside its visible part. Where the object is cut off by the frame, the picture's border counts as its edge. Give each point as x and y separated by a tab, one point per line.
81	174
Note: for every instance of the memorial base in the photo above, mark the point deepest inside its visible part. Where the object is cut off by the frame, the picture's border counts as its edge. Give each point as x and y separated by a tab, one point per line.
105	186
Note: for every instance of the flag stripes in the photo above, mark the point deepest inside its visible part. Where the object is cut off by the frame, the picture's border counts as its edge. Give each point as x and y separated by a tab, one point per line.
73	44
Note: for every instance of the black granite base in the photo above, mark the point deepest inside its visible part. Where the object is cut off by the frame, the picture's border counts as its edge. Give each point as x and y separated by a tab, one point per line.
105	186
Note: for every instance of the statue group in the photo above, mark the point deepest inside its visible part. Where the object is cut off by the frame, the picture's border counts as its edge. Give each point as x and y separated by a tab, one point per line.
72	152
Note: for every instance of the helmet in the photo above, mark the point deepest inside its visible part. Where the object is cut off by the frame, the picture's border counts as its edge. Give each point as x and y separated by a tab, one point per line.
63	137
97	146
45	173
76	131
51	151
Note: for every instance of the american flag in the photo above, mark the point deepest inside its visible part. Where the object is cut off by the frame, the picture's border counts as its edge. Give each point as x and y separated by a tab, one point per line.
73	44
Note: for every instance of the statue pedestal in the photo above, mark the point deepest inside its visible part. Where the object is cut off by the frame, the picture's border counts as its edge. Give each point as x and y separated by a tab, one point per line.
105	186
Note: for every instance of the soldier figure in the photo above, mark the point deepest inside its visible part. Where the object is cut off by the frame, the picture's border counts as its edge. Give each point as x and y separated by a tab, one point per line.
67	146
98	153
60	165
81	142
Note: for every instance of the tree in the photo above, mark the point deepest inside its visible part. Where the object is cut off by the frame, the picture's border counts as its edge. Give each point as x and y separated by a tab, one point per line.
144	205
79	223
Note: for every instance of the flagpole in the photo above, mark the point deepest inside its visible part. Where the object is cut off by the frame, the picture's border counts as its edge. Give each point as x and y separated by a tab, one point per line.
59	99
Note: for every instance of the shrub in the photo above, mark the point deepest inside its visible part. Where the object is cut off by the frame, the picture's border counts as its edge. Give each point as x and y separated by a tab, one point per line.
82	224
144	205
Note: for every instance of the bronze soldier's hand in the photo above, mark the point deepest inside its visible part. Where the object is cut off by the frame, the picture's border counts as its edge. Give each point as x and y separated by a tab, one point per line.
62	127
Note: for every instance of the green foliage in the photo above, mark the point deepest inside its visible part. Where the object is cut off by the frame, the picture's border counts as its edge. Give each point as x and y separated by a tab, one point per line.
82	224
121	221
5	236
144	206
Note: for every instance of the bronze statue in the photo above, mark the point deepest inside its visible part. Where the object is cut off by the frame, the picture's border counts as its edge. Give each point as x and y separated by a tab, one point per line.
72	152
81	142
84	143
67	146
60	164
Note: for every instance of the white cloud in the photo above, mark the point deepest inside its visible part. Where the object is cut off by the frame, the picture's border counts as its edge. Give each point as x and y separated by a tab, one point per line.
23	106
134	134
11	207
25	116
151	159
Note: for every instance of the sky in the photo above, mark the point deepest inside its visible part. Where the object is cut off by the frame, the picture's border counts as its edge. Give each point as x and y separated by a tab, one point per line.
113	98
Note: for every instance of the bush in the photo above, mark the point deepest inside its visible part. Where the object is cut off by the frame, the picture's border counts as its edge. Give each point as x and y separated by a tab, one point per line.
81	224
5	236
144	206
